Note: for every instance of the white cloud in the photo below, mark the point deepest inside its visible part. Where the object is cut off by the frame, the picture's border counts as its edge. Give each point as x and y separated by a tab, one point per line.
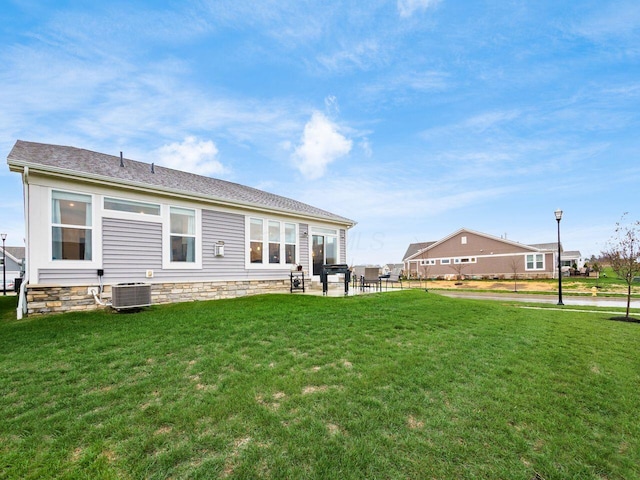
192	155
406	8
320	145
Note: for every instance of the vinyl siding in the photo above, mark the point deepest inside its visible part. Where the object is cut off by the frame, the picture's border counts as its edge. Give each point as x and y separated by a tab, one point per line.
68	276
228	228
303	240
343	246
130	248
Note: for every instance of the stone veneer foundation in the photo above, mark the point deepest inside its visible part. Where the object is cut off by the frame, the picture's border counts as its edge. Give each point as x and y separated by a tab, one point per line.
43	299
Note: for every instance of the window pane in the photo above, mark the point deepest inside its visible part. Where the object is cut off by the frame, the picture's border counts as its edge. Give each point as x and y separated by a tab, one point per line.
274	253
255	230
71	209
183	221
331	250
131	206
328	231
290	233
71	243
183	249
274	231
290	253
256	252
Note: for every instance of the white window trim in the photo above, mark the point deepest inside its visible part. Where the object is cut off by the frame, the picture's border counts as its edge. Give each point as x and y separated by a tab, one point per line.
445	261
428	261
167	264
459	261
265	265
325	231
534	262
96	233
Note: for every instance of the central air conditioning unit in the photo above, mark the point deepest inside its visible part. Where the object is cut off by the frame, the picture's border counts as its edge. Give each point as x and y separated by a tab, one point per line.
130	295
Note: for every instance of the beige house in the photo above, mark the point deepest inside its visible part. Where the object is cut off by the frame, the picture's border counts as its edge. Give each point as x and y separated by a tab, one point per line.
469	254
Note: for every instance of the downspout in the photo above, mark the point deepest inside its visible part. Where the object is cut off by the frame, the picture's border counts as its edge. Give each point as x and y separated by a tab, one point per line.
22	295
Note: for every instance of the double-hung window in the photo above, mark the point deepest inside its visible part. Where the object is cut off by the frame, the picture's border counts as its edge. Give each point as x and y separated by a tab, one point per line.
274	241
290	243
182	234
256	235
535	261
71	226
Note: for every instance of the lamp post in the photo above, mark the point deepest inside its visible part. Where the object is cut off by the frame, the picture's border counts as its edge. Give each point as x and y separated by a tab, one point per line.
4	265
558	213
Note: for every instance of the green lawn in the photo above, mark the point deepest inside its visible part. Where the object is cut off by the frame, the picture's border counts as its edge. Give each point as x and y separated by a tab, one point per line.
397	385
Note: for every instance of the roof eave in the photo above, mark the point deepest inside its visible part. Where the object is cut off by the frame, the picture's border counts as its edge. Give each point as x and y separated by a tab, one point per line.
18	166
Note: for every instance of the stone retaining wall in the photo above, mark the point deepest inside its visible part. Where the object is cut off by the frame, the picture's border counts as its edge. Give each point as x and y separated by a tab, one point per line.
43	299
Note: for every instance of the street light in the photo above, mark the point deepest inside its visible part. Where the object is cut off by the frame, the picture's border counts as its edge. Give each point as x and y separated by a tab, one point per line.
4	264
558	213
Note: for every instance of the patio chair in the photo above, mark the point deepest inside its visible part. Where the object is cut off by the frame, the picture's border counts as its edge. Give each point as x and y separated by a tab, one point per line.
371	278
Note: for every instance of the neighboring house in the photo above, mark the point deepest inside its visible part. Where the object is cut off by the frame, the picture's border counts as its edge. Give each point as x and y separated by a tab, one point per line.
477	255
568	258
393	268
94	219
13	269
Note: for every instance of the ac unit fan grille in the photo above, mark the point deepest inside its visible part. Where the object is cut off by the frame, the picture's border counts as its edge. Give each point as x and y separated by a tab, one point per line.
130	296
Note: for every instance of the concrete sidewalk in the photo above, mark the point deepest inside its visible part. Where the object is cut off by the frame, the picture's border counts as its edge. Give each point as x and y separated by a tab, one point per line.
549	299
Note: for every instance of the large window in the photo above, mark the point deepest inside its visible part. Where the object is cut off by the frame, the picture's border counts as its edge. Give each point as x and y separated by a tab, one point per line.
535	261
272	242
71	226
183	235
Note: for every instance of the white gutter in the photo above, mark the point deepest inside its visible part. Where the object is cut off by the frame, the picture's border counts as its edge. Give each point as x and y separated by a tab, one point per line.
22	297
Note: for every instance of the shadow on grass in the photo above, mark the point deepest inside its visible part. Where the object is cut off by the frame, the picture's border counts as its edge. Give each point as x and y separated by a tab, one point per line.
625	319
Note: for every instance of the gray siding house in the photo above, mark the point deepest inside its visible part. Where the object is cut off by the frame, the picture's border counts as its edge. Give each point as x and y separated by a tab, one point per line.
470	254
13	268
95	220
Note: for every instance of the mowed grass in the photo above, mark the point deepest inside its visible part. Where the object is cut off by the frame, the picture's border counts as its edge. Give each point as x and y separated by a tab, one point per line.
395	385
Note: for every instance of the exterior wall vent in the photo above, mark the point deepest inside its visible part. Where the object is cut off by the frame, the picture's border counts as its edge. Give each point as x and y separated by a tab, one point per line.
130	295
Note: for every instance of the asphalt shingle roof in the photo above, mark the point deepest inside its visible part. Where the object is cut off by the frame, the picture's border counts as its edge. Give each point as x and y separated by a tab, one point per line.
89	164
414	248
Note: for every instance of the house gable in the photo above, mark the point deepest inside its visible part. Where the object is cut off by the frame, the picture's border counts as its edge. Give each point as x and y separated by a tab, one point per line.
466	242
478	254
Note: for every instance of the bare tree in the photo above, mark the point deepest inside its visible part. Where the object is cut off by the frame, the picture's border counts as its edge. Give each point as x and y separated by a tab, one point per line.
458	267
623	253
514	264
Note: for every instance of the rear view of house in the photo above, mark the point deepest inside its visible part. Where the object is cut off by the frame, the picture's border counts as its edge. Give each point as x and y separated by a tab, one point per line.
95	220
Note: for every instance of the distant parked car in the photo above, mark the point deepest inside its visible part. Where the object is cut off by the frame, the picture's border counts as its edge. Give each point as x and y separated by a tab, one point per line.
9	285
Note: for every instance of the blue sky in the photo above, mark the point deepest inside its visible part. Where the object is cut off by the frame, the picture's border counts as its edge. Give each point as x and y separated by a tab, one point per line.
413	117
